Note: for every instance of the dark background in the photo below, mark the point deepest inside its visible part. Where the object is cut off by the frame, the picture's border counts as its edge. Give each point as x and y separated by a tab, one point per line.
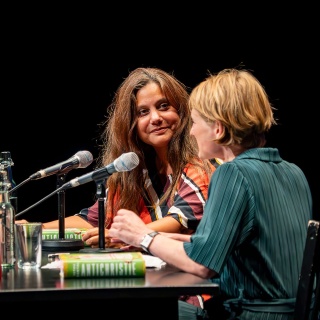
58	85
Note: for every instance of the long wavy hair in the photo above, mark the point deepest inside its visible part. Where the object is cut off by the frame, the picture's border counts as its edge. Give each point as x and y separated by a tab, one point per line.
120	136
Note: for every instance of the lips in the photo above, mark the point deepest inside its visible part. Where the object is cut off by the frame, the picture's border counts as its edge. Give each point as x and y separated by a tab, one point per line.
159	130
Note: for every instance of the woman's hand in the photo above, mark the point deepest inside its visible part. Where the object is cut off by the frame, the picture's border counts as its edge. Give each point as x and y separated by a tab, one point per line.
91	238
128	227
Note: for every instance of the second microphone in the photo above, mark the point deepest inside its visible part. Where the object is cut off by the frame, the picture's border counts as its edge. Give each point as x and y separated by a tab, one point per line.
126	162
81	159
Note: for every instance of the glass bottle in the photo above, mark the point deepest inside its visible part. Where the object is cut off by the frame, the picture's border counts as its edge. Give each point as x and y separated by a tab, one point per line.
7	220
6	160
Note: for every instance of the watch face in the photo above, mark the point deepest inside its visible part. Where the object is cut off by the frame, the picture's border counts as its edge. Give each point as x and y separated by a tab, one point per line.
146	241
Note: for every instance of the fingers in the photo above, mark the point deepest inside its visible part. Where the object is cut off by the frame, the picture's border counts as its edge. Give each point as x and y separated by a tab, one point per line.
92	242
91	238
90	233
115	240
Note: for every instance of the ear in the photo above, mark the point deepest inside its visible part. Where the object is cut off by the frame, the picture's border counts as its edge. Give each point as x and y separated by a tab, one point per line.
218	128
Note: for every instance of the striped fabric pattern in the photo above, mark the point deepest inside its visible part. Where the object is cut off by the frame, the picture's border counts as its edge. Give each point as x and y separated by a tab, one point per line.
189	200
254	226
187	206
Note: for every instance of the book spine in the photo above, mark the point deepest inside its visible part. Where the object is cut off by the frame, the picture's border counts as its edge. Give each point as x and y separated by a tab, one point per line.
96	269
55	235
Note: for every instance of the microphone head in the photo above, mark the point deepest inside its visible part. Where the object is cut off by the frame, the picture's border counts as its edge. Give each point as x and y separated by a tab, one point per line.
126	162
85	158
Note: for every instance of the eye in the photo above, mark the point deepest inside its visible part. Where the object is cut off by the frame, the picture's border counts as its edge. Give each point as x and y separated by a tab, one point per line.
142	112
163	106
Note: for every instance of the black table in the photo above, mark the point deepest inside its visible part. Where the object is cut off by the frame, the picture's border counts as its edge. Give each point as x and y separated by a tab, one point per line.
124	297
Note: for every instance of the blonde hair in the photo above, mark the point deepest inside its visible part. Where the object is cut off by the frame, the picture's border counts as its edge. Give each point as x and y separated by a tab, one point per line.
239	101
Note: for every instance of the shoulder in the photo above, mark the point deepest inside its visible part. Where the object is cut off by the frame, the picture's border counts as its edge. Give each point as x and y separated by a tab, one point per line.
198	173
199	168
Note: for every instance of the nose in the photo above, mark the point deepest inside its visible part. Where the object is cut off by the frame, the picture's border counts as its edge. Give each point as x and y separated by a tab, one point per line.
155	116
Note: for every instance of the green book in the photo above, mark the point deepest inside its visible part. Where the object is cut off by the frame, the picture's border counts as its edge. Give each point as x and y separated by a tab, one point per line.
69	233
101	265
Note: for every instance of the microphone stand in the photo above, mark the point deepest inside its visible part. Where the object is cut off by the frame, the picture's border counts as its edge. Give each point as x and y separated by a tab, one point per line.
62	244
101	193
61	205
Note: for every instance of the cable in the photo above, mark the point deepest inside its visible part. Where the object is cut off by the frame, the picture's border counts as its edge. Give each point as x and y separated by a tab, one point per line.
19	185
45	198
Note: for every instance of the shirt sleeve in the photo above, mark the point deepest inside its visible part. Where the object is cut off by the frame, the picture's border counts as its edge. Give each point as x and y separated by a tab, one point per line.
222	226
90	214
190	198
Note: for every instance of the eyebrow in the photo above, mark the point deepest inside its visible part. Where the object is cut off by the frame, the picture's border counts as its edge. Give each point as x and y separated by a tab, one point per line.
162	100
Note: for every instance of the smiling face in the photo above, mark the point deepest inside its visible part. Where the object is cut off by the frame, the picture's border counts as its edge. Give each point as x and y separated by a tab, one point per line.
157	119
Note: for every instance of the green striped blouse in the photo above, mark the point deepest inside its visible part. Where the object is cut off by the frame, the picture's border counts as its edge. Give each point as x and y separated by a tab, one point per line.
253	230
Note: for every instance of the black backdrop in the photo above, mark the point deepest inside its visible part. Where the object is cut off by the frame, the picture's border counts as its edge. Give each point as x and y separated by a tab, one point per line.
57	94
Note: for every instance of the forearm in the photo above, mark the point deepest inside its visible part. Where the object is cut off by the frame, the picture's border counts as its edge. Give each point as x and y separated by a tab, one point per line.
70	222
173	253
129	228
177	236
167	224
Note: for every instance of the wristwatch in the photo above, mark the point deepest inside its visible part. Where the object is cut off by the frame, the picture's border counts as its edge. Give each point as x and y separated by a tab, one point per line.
146	240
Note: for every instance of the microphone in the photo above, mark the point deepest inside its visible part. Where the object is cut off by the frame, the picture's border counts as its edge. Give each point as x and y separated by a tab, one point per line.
80	160
126	162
